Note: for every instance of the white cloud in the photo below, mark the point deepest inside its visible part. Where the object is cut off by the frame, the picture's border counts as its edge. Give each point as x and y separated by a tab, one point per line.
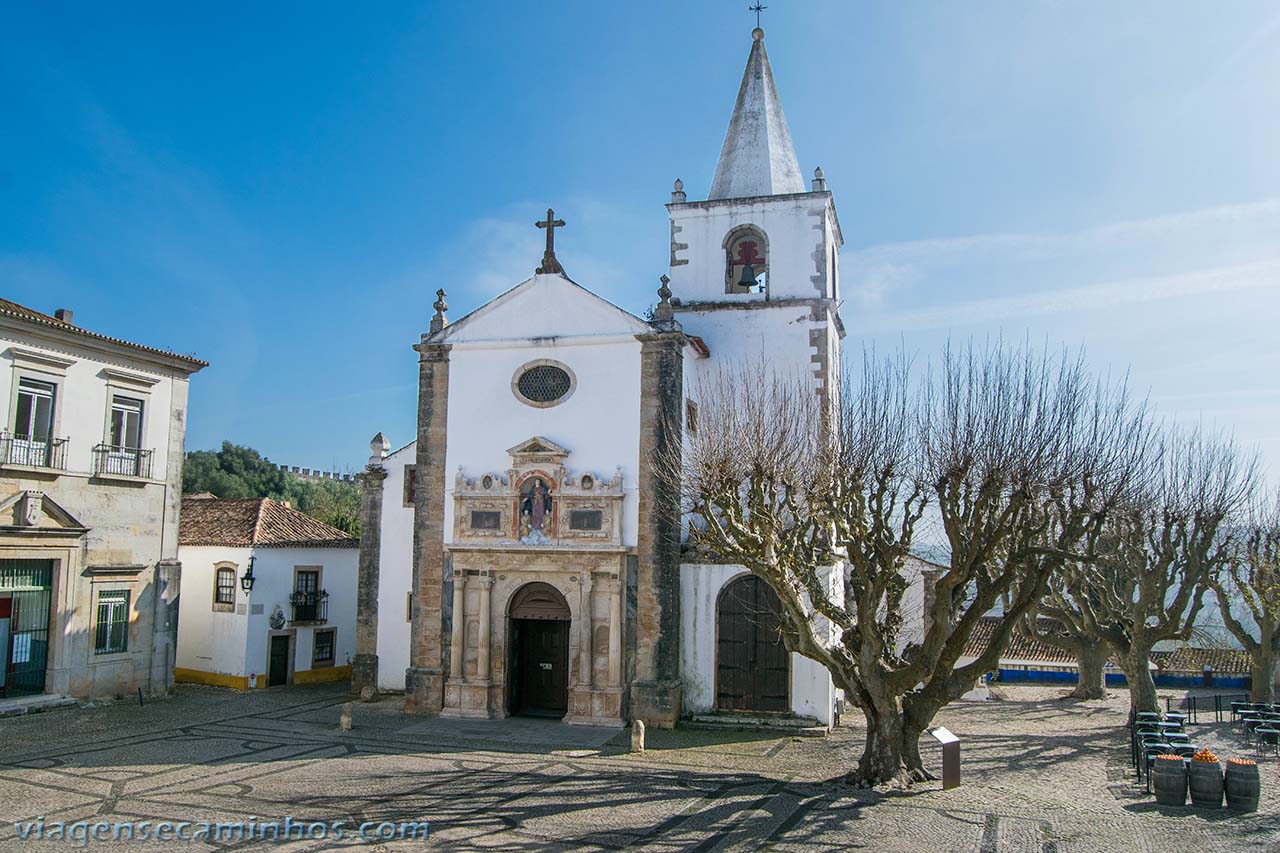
1260	275
1256	217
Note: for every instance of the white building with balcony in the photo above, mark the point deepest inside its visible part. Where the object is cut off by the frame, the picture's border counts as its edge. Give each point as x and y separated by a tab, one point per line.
268	595
91	454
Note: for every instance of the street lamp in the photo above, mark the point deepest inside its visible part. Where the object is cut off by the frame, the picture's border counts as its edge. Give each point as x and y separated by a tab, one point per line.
246	581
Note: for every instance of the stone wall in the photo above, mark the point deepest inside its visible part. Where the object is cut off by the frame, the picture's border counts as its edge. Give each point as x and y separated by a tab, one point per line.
655	694
364	667
123	549
424	680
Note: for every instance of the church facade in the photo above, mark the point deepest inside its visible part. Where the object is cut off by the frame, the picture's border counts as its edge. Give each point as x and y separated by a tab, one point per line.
524	553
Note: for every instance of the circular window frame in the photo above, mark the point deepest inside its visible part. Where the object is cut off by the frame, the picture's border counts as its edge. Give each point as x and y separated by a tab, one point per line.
543	362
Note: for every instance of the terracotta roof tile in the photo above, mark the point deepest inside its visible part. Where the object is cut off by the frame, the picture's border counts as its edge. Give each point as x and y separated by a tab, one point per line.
1191	659
1186	659
22	312
1020	648
260	522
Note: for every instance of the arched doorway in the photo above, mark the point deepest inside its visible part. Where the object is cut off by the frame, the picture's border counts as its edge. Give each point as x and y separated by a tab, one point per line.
753	666
539	652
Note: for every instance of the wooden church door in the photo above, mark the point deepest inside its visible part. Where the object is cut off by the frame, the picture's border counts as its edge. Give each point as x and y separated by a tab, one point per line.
752	664
540	621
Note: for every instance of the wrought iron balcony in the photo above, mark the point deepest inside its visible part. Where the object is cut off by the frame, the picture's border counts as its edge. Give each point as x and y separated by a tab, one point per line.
33	452
114	460
309	606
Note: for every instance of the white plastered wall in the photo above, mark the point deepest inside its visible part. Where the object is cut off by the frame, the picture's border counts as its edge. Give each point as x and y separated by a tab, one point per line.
210	640
812	693
235	643
395	572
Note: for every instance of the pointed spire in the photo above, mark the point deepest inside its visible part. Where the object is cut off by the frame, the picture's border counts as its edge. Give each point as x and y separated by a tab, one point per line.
757	158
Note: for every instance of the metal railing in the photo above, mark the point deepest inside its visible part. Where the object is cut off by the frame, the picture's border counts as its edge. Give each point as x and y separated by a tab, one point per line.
34	452
111	459
309	606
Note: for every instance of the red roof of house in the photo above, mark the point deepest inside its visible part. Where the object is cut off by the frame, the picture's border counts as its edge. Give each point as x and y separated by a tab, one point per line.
1020	647
1182	660
258	522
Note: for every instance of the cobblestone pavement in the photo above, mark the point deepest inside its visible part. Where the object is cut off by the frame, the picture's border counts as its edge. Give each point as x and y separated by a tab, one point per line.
1040	774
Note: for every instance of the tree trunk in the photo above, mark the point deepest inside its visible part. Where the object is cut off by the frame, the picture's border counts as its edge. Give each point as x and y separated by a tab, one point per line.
892	751
1264	673
1091	682
1137	671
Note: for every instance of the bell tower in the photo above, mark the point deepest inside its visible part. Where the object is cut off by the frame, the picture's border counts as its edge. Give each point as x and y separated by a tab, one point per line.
754	267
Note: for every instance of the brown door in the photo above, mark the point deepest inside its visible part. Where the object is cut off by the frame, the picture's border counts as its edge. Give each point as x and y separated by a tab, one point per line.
542	667
752	663
278	673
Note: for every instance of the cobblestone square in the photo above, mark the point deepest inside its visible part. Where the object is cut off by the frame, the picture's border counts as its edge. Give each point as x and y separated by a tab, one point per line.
1040	774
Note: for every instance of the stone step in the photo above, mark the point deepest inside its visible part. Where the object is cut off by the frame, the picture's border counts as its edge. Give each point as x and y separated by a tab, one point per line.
16	705
793	725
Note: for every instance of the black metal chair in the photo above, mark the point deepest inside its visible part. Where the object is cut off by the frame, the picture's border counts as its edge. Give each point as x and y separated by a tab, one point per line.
1150	749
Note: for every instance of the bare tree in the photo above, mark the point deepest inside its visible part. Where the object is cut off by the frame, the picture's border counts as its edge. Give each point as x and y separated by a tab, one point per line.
1253	574
1056	621
1018	457
1160	555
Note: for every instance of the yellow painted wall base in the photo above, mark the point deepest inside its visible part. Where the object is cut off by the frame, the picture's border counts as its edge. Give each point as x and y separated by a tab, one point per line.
216	679
241	682
318	676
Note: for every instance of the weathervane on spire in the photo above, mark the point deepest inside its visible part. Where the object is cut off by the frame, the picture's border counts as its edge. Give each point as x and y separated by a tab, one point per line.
758	8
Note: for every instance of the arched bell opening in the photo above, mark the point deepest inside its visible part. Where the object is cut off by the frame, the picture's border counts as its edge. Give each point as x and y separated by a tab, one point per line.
746	260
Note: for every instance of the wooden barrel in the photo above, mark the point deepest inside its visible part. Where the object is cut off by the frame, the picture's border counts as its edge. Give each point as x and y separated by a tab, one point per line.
1242	787
1204	778
1169	778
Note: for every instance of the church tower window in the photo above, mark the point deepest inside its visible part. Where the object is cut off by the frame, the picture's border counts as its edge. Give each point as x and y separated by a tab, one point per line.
746	260
543	383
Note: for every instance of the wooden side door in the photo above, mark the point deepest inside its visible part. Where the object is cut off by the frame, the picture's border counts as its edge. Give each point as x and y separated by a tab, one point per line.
753	666
278	672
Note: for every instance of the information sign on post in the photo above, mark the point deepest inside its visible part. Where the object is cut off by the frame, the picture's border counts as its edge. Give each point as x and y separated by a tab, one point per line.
950	756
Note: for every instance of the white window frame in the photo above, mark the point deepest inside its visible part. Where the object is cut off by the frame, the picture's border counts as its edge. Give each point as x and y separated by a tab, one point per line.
224	606
128	408
37	366
333	648
128	621
134	386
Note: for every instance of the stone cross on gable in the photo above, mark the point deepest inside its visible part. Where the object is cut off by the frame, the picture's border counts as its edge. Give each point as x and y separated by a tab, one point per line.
549	262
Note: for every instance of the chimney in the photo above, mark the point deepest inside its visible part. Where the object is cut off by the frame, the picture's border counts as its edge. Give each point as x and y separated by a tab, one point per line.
65	315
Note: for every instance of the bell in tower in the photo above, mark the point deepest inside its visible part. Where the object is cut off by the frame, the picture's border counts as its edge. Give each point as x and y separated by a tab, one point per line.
746	261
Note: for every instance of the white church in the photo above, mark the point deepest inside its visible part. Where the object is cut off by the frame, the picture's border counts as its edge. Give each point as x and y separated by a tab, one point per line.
524	555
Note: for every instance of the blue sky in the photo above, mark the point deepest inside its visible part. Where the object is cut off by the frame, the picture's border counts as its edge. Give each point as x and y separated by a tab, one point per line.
282	189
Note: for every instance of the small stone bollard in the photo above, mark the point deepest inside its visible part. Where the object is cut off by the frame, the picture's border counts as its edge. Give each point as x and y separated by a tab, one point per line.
637	736
368	693
344	721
